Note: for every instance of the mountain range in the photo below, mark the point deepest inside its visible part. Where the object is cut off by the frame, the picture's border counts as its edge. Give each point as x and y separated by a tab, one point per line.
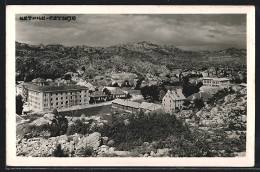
132	57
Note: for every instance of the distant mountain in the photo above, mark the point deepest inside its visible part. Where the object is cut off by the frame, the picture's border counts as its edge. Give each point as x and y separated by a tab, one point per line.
136	57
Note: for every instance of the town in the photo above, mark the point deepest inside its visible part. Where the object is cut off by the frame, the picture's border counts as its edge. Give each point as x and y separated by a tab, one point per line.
208	100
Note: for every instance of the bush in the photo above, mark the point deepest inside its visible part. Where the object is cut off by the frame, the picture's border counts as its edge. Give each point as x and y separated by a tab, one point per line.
58	126
58	152
78	127
19	104
88	151
199	103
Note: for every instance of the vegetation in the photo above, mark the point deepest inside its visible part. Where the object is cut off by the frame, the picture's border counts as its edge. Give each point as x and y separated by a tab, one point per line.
79	127
19	104
154	128
58	152
199	103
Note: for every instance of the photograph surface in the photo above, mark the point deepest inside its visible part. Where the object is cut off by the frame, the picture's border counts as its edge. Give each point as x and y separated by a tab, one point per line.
149	86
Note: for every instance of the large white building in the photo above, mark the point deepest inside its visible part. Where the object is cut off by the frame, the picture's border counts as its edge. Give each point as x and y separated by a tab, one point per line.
47	98
173	100
215	82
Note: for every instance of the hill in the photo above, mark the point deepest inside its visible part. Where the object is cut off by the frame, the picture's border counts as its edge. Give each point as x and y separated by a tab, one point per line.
137	57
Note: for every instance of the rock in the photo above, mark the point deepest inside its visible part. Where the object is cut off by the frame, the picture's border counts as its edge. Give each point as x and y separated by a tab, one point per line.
152	154
104	140
93	140
243	118
49	116
162	152
110	143
111	149
146	155
104	148
122	153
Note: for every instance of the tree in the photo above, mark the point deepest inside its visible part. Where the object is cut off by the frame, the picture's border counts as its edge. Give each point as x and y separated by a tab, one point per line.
83	68
138	83
55	112
115	85
199	103
145	91
19	104
67	77
59	124
58	152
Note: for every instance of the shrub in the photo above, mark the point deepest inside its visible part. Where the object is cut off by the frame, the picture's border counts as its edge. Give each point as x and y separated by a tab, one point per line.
58	126
58	152
78	127
88	151
19	104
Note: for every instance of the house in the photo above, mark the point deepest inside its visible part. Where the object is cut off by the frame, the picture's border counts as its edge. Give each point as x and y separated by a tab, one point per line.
173	100
215	82
97	96
149	107
39	81
117	93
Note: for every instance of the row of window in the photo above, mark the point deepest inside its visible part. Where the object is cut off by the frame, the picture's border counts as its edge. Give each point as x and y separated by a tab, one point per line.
66	93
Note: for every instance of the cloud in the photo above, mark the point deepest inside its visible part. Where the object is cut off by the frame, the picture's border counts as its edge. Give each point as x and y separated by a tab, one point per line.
184	30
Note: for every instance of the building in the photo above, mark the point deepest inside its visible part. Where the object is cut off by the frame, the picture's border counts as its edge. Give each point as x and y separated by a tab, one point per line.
125	105
40	81
47	98
173	100
97	96
215	82
149	107
117	93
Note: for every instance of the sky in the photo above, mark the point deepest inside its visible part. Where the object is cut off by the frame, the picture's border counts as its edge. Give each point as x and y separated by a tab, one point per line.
186	31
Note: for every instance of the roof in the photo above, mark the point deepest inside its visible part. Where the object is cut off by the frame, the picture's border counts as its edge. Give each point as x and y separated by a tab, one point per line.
169	87
126	103
201	95
137	92
98	94
55	88
149	106
215	79
38	80
116	92
175	94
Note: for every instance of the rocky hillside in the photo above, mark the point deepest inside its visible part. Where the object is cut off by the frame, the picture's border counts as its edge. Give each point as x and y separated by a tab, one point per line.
134	57
224	122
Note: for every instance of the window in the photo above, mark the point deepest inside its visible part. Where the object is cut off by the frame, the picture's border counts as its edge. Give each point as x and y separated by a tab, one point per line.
61	98
51	99
57	103
57	98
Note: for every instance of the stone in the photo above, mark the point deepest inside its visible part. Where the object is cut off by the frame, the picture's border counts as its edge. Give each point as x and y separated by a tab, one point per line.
162	152
104	148
93	140
110	143
152	154
146	155
243	118
111	149
104	140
